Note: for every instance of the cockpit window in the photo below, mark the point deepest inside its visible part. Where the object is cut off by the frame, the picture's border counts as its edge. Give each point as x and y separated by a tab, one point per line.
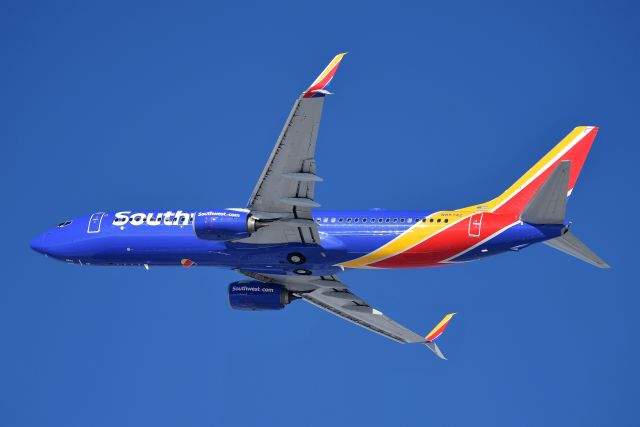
64	224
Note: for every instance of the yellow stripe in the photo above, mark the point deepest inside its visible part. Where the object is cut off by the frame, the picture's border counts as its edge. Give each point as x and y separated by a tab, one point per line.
444	321
423	231
334	62
418	233
542	163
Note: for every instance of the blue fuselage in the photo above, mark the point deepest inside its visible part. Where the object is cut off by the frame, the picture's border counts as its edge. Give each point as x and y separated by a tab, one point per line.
167	238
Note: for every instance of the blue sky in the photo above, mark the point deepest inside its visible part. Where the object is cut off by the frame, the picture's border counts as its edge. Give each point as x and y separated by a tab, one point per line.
438	105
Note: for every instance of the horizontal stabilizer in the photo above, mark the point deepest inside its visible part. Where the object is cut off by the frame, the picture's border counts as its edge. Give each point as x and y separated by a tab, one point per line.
549	203
569	244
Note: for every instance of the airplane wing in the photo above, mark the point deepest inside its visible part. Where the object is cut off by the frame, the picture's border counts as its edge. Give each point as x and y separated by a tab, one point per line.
284	195
285	189
330	294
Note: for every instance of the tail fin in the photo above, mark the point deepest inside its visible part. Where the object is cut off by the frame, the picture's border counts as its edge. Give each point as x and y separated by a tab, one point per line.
574	148
569	244
435	333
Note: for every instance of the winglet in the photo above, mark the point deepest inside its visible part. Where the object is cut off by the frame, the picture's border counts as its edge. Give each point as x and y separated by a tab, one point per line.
318	86
439	329
435	333
436	350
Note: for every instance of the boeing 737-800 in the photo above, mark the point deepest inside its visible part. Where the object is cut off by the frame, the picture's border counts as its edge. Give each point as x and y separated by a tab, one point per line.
290	250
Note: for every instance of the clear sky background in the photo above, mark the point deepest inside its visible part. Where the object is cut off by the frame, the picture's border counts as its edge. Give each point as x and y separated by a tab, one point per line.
132	106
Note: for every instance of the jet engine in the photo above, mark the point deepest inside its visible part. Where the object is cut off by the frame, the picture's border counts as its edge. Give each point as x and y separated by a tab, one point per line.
225	224
257	296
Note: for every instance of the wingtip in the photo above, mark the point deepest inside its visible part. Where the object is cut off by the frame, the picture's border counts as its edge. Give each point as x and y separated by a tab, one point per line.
318	86
435	349
439	328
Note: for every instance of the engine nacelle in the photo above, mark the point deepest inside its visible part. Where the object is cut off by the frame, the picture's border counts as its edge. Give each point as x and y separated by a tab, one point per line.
223	224
254	296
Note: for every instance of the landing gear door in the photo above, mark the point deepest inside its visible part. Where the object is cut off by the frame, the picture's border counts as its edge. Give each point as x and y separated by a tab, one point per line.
95	222
475	223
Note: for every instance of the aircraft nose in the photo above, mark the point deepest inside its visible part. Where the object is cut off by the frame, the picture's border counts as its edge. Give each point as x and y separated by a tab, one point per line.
39	243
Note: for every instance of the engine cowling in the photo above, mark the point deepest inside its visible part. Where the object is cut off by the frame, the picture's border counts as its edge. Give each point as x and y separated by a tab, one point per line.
256	296
224	224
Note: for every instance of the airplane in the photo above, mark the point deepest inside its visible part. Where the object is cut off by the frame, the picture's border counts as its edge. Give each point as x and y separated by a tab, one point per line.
291	251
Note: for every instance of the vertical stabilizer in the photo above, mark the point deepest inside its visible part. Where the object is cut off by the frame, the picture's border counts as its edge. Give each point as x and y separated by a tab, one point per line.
574	148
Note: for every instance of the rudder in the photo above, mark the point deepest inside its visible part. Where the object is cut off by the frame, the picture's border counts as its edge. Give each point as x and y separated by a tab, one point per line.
574	148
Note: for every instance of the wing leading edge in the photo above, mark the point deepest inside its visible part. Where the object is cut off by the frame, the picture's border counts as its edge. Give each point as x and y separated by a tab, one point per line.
284	194
337	299
332	295
286	187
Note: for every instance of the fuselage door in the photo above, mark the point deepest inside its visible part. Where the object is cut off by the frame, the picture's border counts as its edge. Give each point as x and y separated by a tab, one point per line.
94	222
475	223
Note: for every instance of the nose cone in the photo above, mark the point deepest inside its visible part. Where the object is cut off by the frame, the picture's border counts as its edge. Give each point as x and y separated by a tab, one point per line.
39	244
66	242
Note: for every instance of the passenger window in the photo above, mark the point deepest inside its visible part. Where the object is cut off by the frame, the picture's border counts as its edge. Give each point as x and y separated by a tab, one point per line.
431	220
379	219
333	220
318	220
409	220
325	220
387	220
348	219
373	220
339	219
401	219
439	220
364	219
395	220
446	220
